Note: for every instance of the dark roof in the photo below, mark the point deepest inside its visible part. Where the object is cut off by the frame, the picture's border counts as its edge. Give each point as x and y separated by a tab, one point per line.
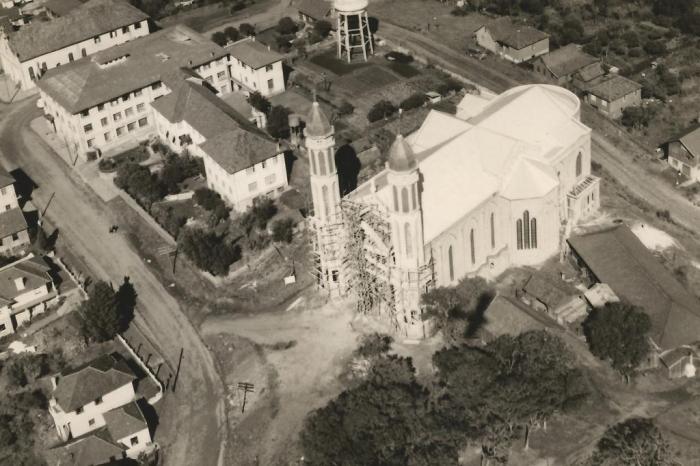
34	271
516	36
253	53
316	9
12	221
507	316
5	178
590	72
616	257
136	64
567	60
62	7
125	421
91	19
239	149
691	141
92	380
545	291
613	88
96	448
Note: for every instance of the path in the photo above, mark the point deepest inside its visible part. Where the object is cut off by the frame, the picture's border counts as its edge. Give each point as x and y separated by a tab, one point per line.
190	429
261	20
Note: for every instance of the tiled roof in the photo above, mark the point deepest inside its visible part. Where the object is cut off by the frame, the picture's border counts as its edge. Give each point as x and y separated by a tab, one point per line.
516	36
34	271
590	72
125	421
93	18
5	178
239	149
93	449
506	316
316	9
691	141
253	53
617	257
62	7
614	88
545	291
567	60
92	380
146	60
12	221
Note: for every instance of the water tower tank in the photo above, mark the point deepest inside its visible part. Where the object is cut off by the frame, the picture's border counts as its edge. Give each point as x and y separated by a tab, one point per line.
343	6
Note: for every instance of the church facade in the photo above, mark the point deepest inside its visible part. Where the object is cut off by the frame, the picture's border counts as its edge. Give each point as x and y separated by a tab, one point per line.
501	185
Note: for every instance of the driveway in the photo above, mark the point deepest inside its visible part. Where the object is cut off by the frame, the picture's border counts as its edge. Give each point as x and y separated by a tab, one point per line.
191	429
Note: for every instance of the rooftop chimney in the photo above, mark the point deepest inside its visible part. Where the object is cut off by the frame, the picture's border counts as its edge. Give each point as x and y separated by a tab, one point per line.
19	283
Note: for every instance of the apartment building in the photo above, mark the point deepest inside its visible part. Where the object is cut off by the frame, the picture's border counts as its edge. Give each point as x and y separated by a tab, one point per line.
26	290
99	102
14	236
27	54
254	67
241	162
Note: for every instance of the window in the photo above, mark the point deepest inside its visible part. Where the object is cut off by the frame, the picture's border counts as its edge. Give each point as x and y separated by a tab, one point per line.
451	263
87	128
270	84
15	236
91	142
3	191
493	231
253	186
98	400
321	164
134	441
404	199
2	327
79	410
578	164
268	68
221	75
7	207
70	57
104	121
137	26
331	162
396	199
120	131
408	239
117	116
125	29
414	196
131	126
85	113
32	76
326	206
107	136
519	233
140	107
83	52
472	246
91	422
533	233
96	39
100	107
129	111
262	164
526	231
155	86
114	102
143	122
250	170
269	179
112	34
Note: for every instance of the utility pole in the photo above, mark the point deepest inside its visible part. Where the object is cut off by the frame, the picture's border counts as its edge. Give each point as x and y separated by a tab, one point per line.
43	212
247	387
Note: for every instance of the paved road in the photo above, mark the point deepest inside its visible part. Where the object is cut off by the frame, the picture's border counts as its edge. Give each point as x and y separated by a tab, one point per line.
192	427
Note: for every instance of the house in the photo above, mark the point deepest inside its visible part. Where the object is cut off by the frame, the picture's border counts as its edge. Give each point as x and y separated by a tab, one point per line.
14	235
684	153
507	316
569	66
616	256
613	94
311	11
96	448
96	25
102	101
515	42
241	161
254	67
543	295
599	295
26	290
83	396
57	8
680	362
127	426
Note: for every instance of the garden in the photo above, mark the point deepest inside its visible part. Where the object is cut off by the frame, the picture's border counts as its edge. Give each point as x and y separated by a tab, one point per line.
138	154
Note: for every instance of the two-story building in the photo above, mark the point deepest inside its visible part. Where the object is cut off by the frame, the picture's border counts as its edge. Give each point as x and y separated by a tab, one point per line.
97	25
241	161
569	66
684	154
100	102
514	42
613	94
254	67
26	290
14	236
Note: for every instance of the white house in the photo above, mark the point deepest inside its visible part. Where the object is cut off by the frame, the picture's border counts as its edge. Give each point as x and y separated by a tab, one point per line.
14	236
26	289
684	154
254	67
97	25
514	42
128	427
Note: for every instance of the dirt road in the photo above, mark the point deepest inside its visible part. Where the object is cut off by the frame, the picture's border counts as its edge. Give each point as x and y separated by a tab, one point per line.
190	428
261	20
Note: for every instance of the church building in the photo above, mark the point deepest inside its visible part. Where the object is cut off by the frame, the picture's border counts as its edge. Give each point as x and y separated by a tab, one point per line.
500	186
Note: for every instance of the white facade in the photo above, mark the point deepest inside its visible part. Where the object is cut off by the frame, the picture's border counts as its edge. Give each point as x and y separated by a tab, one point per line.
27	72
268	80
136	443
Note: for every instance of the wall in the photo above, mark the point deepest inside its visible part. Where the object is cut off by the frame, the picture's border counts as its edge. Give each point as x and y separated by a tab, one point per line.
218	74
485	40
614	109
9	244
143	437
678	156
19	72
257	79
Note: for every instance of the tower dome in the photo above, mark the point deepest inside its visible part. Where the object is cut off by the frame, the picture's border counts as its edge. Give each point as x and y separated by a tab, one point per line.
401	157
317	124
350	5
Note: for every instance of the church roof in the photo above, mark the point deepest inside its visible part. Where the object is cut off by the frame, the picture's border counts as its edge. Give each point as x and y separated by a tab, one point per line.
401	156
317	124
528	179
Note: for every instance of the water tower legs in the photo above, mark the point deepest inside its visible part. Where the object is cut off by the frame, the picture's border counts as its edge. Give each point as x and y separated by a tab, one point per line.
352	36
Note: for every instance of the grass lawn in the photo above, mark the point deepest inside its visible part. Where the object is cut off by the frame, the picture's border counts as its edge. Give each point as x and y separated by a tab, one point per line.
329	61
207	17
404	69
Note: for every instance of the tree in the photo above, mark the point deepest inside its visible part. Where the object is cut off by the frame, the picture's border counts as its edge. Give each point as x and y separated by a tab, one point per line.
322	28
232	33
286	26
208	199
208	250
246	29
138	181
655	47
126	302
618	333
278	122
219	38
259	102
258	214
178	168
283	230
571	30
415	100
634	442
381	110
99	314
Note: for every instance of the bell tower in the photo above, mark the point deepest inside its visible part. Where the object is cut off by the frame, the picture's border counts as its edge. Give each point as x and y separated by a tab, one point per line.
406	220
326	221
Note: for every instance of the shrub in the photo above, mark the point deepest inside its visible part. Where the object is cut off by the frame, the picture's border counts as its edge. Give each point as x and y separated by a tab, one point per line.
664	215
258	214
278	122
655	47
459	11
374	344
138	181
232	33
209	251
178	168
207	198
283	230
449	85
322	28
259	102
238	6
415	100
219	38
345	108
635	52
257	240
380	110
286	26
246	29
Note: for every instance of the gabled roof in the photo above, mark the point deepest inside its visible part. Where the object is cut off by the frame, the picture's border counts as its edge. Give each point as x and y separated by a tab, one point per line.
590	72
613	88
93	18
567	60
515	36
33	270
12	221
691	141
239	149
62	7
5	178
86	383
617	257
316	9
545	291
507	316
253	53
125	421
96	448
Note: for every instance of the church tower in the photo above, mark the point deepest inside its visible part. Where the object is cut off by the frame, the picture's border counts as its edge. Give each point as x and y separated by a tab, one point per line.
326	221
408	277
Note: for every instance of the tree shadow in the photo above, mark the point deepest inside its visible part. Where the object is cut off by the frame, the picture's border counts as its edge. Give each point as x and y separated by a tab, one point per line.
476	319
52	239
373	24
149	412
348	165
24	185
126	302
289	159
286	72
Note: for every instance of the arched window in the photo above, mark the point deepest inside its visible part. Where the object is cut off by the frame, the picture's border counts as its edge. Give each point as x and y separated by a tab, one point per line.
408	239
578	164
331	162
414	196
396	200
493	231
313	164
472	247
404	199
519	230
526	230
451	263
326	204
321	163
533	233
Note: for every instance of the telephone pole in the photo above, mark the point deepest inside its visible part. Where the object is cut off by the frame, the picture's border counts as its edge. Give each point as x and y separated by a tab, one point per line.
247	387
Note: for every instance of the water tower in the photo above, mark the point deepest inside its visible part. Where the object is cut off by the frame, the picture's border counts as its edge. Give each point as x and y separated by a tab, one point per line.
353	28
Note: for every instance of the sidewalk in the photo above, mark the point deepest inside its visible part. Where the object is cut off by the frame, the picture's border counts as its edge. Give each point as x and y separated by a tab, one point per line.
10	92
